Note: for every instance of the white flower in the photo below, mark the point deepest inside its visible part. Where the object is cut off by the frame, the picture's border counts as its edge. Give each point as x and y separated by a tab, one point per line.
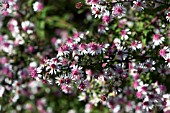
163	70
82	49
82	96
98	10
27	26
19	40
33	85
103	28
33	64
76	72
94	49
124	34
2	89
168	16
136	45
94	99
150	64
138	5
167	59
147	105
64	50
53	68
116	109
167	106
158	39
117	42
37	6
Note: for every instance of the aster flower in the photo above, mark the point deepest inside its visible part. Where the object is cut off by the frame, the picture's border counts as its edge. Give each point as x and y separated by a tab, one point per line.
166	107
90	2
167	59
59	80
136	45
63	50
164	51
102	28
106	17
168	16
76	72
121	54
34	85
88	108
66	88
94	99
63	61
94	49
147	105
34	73
27	26
82	86
13	27
78	36
117	42
120	69
142	88
2	89
82	49
163	70
129	106
37	6
138	5
125	33
158	39
9	7
141	68
96	11
160	89
150	64
8	47
75	50
4	5
53	68
118	10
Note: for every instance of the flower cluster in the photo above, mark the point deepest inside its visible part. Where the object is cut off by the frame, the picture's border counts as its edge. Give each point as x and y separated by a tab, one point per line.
119	63
68	70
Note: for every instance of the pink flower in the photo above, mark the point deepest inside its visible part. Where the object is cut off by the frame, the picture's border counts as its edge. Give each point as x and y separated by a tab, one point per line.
106	17
162	52
66	88
33	73
118	10
81	86
83	48
90	2
139	95
30	49
53	40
